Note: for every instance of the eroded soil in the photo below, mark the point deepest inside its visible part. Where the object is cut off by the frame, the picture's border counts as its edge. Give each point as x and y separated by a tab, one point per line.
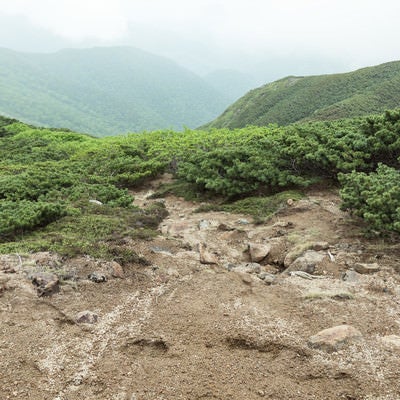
181	329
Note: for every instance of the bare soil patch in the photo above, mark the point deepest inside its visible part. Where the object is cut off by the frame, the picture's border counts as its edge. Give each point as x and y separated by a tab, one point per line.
180	329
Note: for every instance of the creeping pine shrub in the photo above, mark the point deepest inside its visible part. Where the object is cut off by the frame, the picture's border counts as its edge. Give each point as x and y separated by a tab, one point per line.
105	193
18	217
374	197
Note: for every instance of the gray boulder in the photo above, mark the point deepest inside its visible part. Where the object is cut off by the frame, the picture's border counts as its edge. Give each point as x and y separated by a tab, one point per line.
307	262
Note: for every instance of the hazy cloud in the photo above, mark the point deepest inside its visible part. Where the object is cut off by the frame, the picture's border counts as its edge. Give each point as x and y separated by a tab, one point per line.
72	19
354	33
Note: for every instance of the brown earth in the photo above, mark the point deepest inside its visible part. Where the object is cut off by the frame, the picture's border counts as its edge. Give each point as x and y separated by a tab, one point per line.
180	329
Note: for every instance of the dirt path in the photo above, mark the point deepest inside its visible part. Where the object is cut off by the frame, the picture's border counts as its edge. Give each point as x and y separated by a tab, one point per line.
224	328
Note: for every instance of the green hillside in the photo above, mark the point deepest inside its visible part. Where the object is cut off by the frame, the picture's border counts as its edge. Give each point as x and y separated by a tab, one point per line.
325	97
104	91
69	193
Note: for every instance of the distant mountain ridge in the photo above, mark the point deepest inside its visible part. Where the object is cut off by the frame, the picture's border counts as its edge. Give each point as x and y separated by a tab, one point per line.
104	91
321	97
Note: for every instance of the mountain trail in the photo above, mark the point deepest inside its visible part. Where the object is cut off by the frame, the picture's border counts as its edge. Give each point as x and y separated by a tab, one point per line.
226	309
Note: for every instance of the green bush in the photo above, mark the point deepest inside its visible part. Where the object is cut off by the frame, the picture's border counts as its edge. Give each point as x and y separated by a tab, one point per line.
46	173
22	216
375	197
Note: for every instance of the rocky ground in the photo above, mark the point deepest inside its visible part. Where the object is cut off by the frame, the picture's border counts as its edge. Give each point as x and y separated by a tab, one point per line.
301	307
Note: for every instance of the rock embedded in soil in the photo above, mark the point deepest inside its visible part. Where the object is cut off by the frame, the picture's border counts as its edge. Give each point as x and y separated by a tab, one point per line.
351	276
160	250
177	229
204	224
366	268
97	277
205	256
224	227
335	338
318	246
392	341
46	283
283	224
247	268
246	278
86	317
307	262
267	278
258	251
278	251
115	270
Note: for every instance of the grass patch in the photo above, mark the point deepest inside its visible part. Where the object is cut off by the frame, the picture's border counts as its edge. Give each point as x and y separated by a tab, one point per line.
99	231
260	208
335	295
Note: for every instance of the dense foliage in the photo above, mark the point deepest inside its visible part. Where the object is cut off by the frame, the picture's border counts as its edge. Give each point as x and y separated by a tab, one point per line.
374	197
325	97
51	184
104	91
51	181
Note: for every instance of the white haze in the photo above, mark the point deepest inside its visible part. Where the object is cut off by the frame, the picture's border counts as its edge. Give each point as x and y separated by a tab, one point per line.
265	38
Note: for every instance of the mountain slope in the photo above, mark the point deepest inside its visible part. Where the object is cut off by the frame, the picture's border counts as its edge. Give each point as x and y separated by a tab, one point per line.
104	91
292	99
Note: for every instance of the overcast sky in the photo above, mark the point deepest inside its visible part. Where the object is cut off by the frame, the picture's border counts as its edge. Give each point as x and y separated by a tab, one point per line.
284	36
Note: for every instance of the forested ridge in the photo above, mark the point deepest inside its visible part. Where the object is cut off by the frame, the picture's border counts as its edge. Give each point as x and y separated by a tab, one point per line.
104	91
322	97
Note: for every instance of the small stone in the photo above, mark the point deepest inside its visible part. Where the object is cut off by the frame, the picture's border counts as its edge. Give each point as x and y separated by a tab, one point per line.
86	317
318	246
246	278
333	339
258	251
205	256
77	380
351	276
172	272
283	224
224	227
248	268
97	202
391	340
97	277
230	266
267	278
289	202
366	268
204	224
46	283
160	250
116	270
